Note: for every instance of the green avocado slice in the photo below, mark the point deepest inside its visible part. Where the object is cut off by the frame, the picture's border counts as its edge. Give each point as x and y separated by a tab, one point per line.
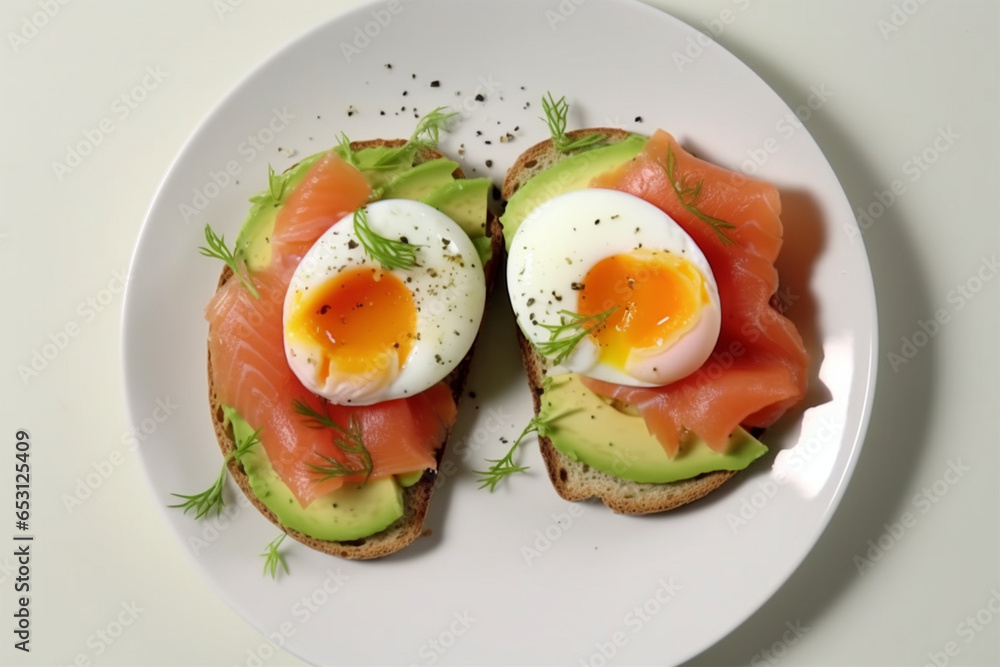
572	173
349	513
586	428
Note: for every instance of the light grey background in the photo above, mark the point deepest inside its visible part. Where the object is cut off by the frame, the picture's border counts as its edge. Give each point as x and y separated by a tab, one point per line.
899	75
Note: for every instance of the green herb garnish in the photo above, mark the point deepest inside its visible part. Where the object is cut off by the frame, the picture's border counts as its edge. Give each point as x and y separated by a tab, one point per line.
425	136
387	252
555	117
273	558
348	440
234	260
688	195
345	151
211	498
506	466
572	328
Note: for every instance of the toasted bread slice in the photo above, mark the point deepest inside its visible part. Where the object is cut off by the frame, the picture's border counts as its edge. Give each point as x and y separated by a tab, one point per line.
574	480
416	498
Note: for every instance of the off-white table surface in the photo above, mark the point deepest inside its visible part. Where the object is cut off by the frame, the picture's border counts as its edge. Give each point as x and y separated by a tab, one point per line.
892	92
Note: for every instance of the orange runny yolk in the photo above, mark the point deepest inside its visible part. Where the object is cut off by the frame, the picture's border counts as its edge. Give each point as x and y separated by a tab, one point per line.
657	297
361	318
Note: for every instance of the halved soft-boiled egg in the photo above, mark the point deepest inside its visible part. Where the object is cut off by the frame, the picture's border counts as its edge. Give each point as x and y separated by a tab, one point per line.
611	287
357	333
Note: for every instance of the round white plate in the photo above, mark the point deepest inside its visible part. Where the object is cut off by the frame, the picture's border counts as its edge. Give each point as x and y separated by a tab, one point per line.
519	576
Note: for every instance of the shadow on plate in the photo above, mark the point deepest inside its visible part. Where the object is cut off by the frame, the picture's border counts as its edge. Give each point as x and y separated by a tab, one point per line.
875	495
496	365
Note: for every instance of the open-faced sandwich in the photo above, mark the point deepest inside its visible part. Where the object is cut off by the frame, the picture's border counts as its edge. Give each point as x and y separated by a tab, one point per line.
340	337
641	280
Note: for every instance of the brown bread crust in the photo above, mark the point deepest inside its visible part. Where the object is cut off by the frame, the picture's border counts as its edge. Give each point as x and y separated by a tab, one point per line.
575	480
416	498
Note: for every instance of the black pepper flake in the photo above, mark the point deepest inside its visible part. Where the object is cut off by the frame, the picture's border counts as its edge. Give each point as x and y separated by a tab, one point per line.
388	65
413	76
479	133
352	244
531	301
638	119
488	142
435	84
405	93
437	358
597	222
614	217
480	97
489	163
576	286
381	113
403	239
325	309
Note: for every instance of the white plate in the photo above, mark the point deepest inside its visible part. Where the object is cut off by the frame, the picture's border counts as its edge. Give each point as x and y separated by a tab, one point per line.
649	589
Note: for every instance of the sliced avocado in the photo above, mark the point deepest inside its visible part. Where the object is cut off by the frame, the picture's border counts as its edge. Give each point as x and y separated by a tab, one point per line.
366	160
586	428
421	180
464	201
254	238
349	513
573	173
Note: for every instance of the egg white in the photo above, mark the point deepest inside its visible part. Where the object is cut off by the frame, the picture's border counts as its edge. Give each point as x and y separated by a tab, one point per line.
563	238
449	293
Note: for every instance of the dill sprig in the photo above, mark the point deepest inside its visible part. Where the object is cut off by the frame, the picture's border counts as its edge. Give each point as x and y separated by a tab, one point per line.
387	252
273	559
211	498
426	135
347	440
234	260
344	150
572	328
556	112
688	195
505	466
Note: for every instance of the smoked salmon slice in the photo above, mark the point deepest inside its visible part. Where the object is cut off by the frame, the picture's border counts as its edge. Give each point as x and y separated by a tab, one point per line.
250	373
758	368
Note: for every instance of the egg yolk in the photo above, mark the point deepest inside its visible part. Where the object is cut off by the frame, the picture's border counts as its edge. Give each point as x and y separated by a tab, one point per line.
362	319
656	296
